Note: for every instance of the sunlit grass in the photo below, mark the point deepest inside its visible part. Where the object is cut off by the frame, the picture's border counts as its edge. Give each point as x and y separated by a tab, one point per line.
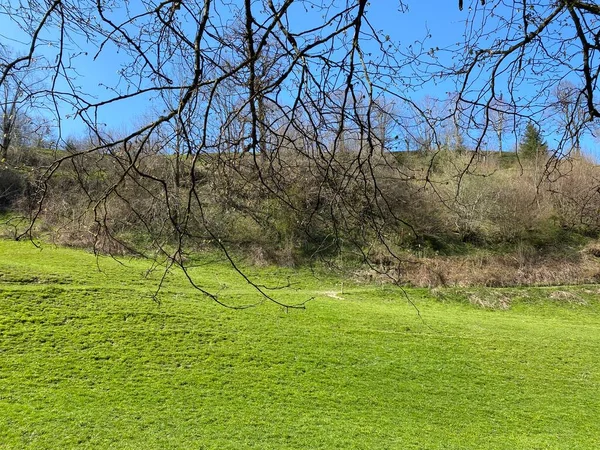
89	360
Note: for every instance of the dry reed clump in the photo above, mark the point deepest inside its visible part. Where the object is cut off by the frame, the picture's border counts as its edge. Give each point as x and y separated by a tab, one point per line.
489	299
101	242
568	297
263	256
258	257
592	249
502	299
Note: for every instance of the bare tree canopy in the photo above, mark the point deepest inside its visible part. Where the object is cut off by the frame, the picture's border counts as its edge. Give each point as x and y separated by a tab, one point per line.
520	52
283	95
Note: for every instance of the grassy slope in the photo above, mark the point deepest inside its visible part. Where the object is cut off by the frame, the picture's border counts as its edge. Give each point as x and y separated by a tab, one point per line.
88	360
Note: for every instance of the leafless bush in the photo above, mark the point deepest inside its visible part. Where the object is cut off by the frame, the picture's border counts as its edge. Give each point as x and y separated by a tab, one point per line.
12	186
487	203
576	195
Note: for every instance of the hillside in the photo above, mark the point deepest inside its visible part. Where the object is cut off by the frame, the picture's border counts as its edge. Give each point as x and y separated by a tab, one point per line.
421	218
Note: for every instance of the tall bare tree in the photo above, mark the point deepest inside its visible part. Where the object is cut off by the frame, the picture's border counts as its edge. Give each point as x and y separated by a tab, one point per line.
498	115
572	117
21	102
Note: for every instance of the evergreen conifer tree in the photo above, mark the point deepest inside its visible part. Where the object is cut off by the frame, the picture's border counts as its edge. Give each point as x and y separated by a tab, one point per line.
532	147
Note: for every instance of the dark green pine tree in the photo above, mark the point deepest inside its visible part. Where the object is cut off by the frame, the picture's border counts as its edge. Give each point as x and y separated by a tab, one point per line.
532	147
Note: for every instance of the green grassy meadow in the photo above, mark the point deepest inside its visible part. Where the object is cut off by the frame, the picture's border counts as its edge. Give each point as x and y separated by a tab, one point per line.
89	360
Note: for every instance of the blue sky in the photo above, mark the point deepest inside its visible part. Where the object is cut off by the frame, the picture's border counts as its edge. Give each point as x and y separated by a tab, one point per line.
440	21
383	14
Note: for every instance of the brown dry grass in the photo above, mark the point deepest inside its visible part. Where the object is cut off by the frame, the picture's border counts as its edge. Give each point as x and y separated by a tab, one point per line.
505	270
567	297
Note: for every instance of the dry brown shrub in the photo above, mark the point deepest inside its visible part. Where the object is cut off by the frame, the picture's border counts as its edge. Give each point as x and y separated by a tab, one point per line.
258	257
98	242
489	204
491	271
592	249
490	300
576	195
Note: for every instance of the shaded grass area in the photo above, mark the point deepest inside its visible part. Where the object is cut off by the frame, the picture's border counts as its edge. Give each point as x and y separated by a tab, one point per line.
88	360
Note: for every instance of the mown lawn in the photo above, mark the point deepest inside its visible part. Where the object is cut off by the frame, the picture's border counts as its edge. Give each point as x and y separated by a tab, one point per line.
89	360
